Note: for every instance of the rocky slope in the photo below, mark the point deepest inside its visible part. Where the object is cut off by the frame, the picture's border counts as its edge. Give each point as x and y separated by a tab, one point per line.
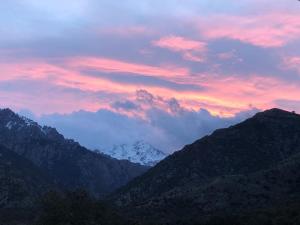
69	165
252	165
138	152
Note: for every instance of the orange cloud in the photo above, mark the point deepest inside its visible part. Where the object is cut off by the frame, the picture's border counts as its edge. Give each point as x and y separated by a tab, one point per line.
237	93
190	49
222	95
66	76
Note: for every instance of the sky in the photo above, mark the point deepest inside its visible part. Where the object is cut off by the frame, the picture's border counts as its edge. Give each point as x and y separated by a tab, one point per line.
168	72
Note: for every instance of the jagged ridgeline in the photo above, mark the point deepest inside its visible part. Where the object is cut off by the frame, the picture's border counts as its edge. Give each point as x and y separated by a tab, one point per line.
63	163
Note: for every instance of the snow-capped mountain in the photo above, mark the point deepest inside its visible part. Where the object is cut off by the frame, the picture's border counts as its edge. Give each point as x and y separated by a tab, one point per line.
138	152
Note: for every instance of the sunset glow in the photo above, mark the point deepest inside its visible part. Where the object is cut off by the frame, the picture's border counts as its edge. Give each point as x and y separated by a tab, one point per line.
183	56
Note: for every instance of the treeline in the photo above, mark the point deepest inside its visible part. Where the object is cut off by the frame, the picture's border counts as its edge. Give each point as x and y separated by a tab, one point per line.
65	208
79	208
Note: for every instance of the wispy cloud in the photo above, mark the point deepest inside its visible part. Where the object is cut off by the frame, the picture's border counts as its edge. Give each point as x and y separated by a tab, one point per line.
190	49
268	31
116	66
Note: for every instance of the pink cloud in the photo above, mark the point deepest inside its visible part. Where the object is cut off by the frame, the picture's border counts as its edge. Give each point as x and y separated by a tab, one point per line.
116	66
292	62
176	43
57	75
68	76
232	94
191	50
222	95
272	30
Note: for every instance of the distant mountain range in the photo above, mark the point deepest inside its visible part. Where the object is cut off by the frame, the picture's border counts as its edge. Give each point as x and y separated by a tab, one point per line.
138	152
234	172
247	174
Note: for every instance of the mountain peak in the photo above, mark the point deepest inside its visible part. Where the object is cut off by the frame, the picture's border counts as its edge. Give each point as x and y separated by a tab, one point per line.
70	164
6	112
277	113
138	152
13	121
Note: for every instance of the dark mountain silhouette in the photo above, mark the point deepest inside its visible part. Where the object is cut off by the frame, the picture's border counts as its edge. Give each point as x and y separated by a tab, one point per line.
64	162
235	171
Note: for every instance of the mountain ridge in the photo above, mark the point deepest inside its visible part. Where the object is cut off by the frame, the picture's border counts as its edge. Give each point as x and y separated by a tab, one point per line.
213	173
69	164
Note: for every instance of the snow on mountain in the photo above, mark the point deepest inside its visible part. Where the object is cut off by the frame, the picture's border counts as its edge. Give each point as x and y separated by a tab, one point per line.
14	121
138	152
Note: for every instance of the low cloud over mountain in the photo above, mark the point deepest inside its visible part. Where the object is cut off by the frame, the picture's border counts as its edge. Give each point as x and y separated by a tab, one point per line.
164	123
